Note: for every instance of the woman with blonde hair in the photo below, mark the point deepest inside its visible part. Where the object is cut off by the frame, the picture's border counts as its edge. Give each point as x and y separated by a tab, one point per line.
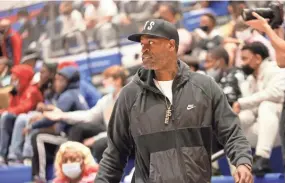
74	163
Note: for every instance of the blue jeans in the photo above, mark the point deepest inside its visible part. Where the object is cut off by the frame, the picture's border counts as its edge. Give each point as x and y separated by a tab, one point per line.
16	150
7	121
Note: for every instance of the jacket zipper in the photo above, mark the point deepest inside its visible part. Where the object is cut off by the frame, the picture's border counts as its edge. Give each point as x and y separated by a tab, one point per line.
178	147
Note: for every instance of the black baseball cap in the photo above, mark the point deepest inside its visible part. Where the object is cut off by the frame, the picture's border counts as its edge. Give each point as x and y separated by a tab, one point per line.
157	28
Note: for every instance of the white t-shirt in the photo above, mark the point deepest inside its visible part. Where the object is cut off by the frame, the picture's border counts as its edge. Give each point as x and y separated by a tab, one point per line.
165	87
105	8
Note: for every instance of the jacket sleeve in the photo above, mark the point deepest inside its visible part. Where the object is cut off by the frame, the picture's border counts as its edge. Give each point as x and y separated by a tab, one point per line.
43	123
273	92
28	103
65	101
17	47
227	129
119	143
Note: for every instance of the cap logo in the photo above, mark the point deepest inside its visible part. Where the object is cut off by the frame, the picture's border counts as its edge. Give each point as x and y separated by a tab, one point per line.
148	25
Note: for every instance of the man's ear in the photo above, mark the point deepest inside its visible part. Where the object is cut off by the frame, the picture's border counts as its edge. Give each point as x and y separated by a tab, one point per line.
259	59
172	45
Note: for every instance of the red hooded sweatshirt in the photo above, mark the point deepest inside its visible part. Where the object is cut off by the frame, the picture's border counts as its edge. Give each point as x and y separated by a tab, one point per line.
28	96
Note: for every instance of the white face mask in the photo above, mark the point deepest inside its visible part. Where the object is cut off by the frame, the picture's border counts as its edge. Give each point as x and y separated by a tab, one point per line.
72	170
110	89
244	35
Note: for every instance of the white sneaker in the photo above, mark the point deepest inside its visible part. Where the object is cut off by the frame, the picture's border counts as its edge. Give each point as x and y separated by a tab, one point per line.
2	161
27	162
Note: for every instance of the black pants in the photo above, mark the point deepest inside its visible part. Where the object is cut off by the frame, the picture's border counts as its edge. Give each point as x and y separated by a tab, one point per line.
81	131
99	147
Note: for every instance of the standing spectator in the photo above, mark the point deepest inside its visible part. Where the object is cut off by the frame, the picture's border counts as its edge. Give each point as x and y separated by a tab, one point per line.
99	12
205	37
261	103
71	19
24	98
10	41
27	30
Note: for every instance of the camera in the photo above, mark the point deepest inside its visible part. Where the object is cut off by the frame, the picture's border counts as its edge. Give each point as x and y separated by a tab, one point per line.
274	13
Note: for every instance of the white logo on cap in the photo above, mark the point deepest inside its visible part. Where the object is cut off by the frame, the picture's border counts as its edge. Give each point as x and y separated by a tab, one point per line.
151	24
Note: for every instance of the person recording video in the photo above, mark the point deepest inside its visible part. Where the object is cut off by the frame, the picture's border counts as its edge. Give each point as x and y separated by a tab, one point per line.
270	25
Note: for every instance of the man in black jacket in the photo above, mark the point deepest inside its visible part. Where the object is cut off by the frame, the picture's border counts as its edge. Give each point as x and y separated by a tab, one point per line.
167	115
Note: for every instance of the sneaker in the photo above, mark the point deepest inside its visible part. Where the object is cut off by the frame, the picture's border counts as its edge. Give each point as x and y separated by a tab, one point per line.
2	161
27	162
260	166
15	162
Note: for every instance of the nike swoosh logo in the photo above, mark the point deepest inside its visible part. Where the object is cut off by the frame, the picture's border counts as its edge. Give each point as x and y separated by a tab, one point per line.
189	107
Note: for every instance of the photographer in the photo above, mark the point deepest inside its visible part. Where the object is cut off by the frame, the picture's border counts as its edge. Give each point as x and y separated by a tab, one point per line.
276	36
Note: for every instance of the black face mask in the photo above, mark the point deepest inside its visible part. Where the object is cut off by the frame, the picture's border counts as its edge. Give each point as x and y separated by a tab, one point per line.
14	91
247	70
204	28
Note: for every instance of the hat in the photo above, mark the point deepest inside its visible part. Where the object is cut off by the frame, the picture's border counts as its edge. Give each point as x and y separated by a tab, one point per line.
157	28
30	54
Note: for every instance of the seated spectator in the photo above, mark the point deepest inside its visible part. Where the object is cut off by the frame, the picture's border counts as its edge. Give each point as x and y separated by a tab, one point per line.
17	152
74	163
71	19
167	12
31	57
87	90
66	86
230	79
260	107
192	62
136	11
4	72
205	38
24	98
99	12
91	125
10	42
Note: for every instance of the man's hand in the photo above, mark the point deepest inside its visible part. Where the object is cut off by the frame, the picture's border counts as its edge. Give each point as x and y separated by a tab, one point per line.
89	142
26	131
40	107
243	174
55	115
236	107
260	23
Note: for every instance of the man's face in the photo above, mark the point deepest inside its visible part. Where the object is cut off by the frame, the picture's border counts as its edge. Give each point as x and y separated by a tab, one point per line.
210	62
156	52
205	21
65	8
250	60
45	75
60	83
165	13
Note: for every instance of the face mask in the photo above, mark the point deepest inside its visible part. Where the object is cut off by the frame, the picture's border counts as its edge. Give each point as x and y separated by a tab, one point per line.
214	73
71	170
110	89
247	69
204	28
244	35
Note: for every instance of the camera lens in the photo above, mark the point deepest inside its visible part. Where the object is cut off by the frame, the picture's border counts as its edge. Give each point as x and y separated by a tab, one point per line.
264	12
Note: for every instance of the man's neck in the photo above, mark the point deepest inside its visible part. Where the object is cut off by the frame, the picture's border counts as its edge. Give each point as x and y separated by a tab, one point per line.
166	75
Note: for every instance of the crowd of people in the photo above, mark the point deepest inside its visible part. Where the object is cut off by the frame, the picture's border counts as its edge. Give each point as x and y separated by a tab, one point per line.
50	106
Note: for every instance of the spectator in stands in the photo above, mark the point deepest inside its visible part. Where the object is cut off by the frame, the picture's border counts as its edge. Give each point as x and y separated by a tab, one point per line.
67	87
24	98
136	11
87	90
17	152
99	12
71	19
235	9
32	58
192	62
230	79
205	37
27	29
74	163
10	42
167	12
92	127
261	103
5	76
